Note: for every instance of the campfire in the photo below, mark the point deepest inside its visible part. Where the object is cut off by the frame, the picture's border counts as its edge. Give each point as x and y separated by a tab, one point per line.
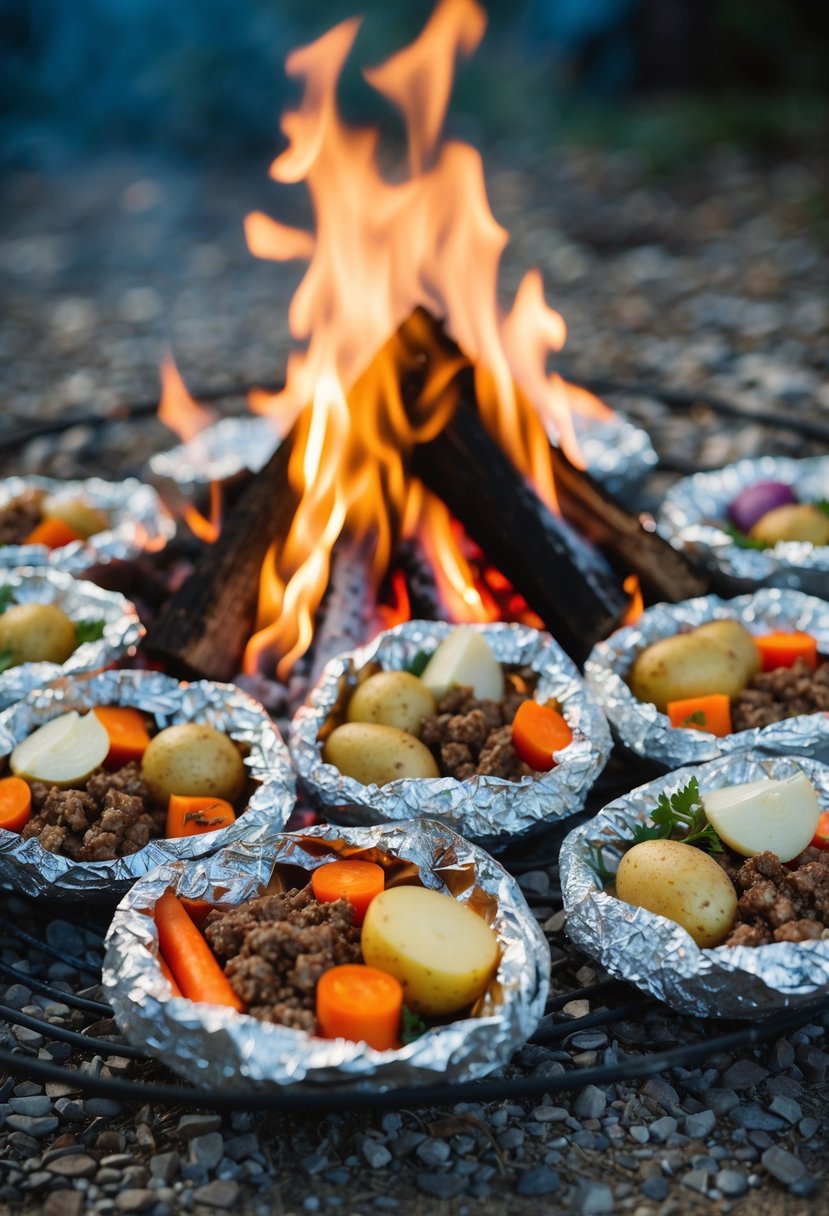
417	412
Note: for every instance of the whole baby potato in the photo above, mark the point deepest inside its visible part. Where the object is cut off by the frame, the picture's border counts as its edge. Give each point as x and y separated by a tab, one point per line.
392	698
374	754
735	637
678	881
193	758
77	514
441	951
799	521
686	665
37	633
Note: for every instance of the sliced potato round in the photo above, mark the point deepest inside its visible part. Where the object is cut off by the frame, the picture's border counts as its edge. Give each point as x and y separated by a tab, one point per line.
374	754
37	633
441	951
683	883
392	698
63	752
193	758
773	815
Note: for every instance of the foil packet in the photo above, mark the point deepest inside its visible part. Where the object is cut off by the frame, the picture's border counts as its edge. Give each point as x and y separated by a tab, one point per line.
210	1045
26	866
482	807
694	515
616	452
647	732
138	521
658	955
80	601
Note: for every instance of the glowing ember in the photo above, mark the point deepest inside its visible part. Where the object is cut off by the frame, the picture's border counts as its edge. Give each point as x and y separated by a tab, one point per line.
380	250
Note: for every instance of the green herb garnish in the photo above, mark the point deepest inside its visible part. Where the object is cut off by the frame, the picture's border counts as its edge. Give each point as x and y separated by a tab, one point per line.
6	598
683	811
695	719
419	662
822	504
595	859
742	540
6	660
89	631
413	1027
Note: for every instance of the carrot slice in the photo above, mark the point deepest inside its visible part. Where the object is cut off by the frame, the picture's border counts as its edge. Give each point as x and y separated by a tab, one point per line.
53	533
195	814
781	649
356	881
127	730
191	960
537	732
360	1003
168	975
15	803
711	713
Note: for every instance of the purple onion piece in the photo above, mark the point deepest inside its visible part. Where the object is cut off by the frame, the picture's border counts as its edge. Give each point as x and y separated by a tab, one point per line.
755	501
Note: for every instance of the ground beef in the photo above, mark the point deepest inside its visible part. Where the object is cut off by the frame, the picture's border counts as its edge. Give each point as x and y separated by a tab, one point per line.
781	904
469	737
771	696
20	517
275	949
112	817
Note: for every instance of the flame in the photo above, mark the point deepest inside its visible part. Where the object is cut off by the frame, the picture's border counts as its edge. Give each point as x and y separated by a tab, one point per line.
207	529
636	604
187	419
381	249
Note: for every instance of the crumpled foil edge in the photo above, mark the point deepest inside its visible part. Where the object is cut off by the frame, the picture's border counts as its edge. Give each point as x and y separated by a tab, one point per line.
210	1045
644	730
26	866
481	806
81	601
658	955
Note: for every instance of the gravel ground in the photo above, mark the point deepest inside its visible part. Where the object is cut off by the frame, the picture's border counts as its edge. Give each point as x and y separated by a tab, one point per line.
712	281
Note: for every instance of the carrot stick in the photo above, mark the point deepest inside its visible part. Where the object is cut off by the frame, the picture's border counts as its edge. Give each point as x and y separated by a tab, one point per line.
360	1003
537	732
53	533
15	803
191	960
356	881
782	649
711	713
127	730
193	815
168	975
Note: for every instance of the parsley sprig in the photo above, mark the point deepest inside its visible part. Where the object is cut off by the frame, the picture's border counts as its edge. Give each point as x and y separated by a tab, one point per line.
6	598
681	812
89	631
413	1026
6	660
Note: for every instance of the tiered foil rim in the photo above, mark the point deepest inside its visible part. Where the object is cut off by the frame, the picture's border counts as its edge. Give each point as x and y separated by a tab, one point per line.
480	807
644	730
139	521
210	1045
26	866
658	955
81	601
695	508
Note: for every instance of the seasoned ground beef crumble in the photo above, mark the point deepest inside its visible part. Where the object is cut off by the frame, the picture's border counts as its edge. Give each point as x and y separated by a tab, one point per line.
779	903
469	737
772	696
20	517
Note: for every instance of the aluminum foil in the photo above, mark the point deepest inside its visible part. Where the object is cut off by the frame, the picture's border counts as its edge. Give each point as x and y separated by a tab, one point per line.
617	453
26	866
695	509
81	602
216	453
480	807
138	521
644	730
658	955
210	1045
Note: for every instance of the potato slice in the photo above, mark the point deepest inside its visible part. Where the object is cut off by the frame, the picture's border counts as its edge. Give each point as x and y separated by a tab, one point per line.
464	658
442	952
64	752
775	816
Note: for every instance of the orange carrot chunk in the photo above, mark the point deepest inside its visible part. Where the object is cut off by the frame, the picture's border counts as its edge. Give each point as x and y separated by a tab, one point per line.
356	881
195	814
127	730
781	649
537	732
191	960
15	803
360	1003
821	836
168	975
53	533
711	713
197	909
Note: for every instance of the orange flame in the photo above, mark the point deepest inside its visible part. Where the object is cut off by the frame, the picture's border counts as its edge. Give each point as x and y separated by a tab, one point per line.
187	419
380	250
636	604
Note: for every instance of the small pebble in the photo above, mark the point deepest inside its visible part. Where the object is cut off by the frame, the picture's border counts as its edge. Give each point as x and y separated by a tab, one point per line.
783	1165
540	1181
